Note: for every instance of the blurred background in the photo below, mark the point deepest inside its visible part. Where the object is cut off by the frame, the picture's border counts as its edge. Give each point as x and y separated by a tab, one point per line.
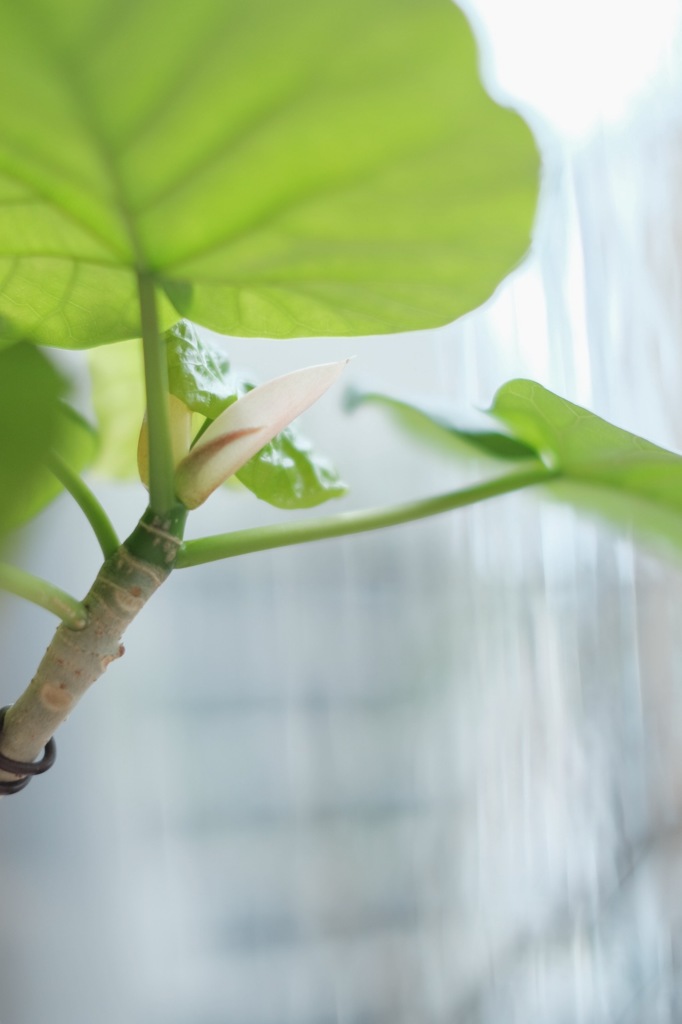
429	775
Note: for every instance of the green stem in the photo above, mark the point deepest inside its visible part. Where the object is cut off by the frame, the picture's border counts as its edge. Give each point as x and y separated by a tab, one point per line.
88	503
242	542
161	489
156	539
15	581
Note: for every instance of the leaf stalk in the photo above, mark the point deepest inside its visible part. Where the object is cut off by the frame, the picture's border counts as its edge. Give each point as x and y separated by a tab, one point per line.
242	542
32	588
90	506
161	488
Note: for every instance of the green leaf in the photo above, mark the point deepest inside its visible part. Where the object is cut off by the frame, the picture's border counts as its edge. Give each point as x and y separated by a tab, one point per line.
33	422
198	372
76	441
199	375
288	474
30	390
597	466
279	168
619	475
439	424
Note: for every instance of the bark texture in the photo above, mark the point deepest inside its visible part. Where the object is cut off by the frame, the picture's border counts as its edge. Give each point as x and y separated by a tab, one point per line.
75	659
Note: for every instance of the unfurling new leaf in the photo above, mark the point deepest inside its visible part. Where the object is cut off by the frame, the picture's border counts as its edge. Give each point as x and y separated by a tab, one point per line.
287	472
246	426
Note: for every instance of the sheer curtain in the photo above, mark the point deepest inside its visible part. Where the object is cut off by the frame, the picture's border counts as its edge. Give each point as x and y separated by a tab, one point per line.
429	775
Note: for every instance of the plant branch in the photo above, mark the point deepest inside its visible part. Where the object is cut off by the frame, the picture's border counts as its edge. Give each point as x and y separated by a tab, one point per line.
242	542
76	658
32	588
161	489
88	503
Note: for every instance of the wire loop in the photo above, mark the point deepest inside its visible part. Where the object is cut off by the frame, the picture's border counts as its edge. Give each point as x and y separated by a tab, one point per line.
26	768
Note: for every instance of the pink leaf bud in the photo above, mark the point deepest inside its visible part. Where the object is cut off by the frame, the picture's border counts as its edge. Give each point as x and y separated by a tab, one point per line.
246	426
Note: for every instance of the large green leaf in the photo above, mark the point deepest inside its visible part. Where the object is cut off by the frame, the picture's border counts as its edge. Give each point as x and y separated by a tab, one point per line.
619	475
33	423
280	167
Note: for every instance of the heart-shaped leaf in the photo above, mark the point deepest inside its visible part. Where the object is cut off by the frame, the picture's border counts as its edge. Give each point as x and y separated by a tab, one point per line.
278	167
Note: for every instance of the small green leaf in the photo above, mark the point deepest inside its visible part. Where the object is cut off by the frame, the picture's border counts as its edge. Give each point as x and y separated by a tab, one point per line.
619	475
438	423
198	372
34	422
288	474
279	167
